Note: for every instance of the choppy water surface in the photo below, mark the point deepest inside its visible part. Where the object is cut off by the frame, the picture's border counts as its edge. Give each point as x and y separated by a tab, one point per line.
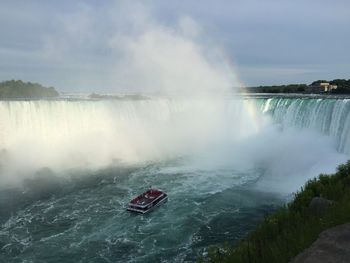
84	220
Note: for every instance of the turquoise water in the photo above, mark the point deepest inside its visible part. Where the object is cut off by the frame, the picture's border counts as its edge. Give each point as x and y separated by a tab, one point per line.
85	220
325	115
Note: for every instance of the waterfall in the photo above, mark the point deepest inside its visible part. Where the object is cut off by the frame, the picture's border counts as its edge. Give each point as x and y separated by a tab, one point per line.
88	133
329	116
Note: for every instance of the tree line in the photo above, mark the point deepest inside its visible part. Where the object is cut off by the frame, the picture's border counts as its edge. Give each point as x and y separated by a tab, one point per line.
15	89
343	87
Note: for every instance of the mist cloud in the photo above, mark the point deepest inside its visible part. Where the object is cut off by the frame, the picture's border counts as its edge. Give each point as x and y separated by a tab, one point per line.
138	52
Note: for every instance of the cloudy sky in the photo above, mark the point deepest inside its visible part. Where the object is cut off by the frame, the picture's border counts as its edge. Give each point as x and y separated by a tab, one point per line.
128	45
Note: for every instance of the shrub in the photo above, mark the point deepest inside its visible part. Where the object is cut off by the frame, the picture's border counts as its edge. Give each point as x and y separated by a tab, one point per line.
292	228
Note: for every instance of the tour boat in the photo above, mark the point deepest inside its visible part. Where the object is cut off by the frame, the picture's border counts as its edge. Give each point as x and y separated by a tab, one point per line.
147	201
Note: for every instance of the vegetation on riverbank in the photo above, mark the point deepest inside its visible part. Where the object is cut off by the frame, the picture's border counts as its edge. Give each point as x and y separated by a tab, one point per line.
291	88
294	227
343	87
17	89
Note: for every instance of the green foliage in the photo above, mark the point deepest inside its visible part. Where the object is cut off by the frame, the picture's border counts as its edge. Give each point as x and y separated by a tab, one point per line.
15	89
343	87
292	88
291	229
318	82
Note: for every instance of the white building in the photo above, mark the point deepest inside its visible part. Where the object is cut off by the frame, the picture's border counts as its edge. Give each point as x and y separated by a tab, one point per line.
327	87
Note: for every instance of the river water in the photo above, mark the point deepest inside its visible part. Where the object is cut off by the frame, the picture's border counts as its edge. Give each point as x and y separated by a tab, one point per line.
69	168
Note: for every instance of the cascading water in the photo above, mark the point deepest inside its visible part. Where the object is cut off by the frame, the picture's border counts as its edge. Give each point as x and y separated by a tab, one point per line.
224	164
93	134
74	133
328	116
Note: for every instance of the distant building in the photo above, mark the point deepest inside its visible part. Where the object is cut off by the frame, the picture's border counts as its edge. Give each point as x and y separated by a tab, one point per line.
326	87
321	87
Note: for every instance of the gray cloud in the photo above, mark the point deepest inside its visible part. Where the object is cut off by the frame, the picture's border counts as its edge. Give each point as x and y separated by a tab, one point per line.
79	45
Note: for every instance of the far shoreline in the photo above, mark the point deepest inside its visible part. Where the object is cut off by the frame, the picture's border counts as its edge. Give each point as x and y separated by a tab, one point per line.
129	97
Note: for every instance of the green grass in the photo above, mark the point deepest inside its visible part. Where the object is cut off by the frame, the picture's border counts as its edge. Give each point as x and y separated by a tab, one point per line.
292	228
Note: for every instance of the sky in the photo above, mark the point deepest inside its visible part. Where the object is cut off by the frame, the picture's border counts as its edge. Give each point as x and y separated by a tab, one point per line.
134	45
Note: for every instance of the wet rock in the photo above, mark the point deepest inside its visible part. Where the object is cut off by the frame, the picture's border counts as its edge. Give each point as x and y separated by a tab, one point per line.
332	246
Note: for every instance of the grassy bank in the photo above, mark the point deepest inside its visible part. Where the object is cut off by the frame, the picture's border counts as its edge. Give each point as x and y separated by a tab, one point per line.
294	227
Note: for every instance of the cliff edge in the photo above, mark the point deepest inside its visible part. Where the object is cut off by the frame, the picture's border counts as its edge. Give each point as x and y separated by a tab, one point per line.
332	246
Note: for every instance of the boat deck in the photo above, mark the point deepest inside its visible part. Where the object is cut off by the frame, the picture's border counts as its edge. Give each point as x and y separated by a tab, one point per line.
146	198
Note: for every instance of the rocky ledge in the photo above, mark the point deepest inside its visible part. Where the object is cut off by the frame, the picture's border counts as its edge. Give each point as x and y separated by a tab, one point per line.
332	246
